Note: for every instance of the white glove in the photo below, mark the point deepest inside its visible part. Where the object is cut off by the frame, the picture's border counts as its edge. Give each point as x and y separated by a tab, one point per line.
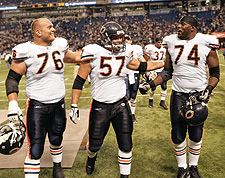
15	112
205	95
74	113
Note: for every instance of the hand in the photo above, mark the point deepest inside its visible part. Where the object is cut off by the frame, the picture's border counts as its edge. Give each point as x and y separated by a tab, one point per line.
204	96
74	113
144	87
15	112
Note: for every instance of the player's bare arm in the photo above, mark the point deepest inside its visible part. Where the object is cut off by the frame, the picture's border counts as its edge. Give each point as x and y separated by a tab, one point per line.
142	60
19	69
72	57
214	71
83	72
144	66
166	74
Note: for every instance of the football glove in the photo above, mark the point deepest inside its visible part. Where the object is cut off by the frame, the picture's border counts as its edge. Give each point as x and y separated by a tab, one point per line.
74	113
204	96
144	87
15	112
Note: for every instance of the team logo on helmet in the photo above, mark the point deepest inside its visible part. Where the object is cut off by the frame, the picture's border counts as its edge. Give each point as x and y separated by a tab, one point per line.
102	30
194	112
189	114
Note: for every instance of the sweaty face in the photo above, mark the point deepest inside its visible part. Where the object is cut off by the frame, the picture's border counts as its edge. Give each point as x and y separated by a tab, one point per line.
183	30
47	31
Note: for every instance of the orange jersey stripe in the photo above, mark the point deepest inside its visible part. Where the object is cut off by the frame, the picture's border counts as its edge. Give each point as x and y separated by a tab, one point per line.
87	59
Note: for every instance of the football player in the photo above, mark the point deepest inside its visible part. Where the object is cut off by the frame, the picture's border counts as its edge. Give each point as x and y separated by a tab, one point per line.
187	56
42	63
132	79
106	63
156	53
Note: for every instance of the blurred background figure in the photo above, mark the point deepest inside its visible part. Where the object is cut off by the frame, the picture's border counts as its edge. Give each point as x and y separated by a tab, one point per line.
8	60
156	53
132	79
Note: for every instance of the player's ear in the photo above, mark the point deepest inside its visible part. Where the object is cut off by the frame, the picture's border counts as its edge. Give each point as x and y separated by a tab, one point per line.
193	28
38	32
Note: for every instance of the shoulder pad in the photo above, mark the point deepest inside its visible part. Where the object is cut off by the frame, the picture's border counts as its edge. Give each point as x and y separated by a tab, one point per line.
61	43
149	46
129	50
20	52
138	47
138	52
210	40
168	39
89	51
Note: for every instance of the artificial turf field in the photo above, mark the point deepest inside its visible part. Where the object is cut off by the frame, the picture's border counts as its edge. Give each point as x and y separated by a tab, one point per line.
153	155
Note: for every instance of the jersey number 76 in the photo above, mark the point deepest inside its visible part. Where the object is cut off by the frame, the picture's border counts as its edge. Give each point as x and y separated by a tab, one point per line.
58	62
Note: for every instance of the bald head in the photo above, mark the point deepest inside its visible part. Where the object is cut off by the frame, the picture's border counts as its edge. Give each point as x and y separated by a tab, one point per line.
42	31
36	24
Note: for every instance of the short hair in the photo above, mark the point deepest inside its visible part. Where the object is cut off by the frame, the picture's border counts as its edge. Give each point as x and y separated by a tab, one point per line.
34	24
190	20
158	39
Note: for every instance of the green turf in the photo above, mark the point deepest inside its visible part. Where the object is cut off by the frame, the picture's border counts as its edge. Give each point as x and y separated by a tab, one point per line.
153	155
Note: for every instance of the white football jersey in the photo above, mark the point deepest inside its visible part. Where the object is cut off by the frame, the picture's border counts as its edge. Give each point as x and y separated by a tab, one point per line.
138	54
155	54
189	61
108	72
45	69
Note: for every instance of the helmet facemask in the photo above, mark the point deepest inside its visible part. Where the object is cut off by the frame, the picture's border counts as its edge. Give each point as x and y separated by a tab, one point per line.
12	135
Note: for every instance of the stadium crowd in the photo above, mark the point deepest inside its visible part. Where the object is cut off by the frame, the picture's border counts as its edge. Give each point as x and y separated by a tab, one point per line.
16	2
142	29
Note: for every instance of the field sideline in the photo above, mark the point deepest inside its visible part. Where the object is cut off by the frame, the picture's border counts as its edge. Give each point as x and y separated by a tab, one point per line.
153	155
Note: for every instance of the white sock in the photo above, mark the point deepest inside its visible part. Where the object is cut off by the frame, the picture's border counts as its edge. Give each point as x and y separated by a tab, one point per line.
180	152
151	94
163	95
133	105
31	168
124	159
56	152
194	152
